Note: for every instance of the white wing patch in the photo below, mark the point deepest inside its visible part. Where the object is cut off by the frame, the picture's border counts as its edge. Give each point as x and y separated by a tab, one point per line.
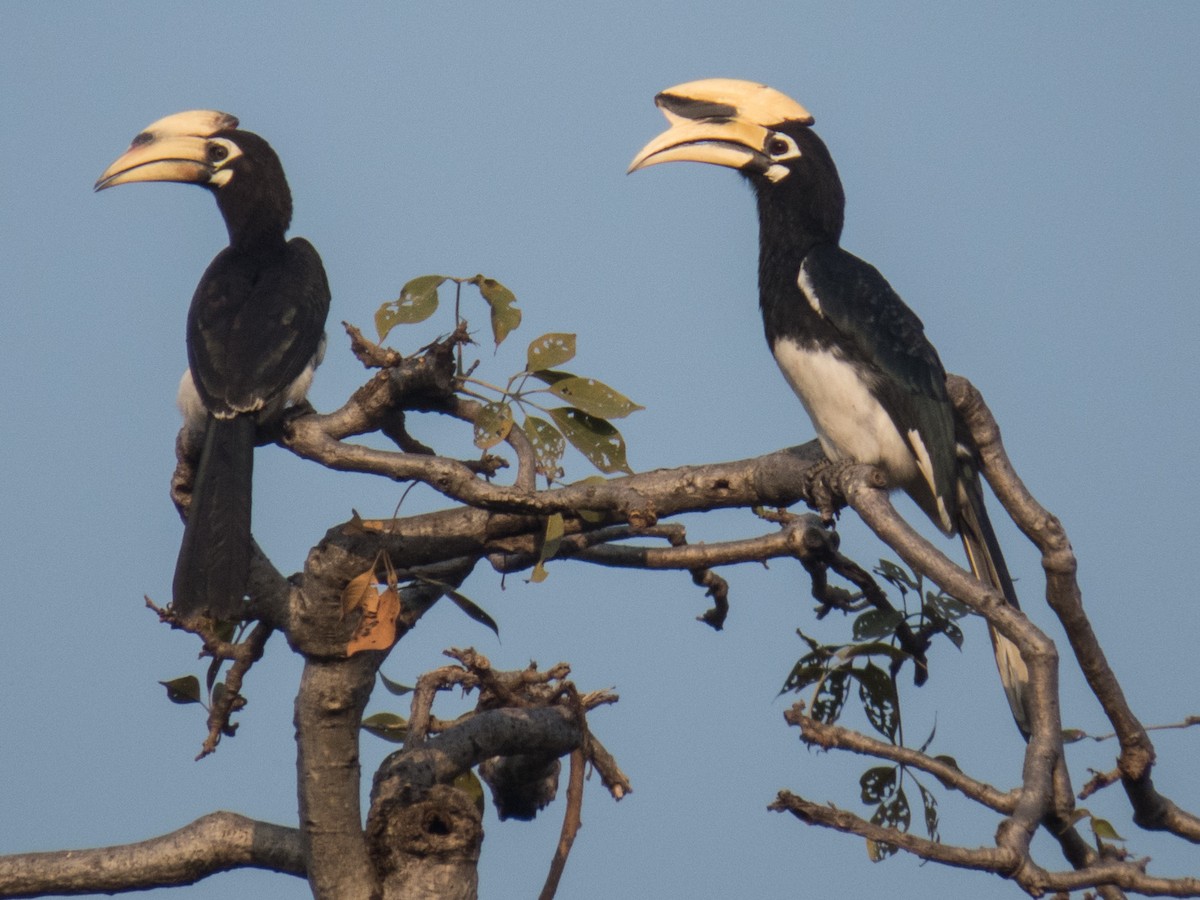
925	464
808	290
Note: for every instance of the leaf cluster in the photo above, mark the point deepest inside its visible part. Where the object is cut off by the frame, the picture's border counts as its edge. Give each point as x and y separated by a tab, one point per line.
584	421
869	664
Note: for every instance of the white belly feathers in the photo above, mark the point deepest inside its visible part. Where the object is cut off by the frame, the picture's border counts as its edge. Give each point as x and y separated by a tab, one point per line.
850	423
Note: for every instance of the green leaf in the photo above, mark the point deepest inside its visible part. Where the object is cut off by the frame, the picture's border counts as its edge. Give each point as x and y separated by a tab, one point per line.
468	782
417	302
394	687
802	675
877	691
473	610
595	438
214	669
931	813
548	446
878	851
388	726
594	397
878	784
551	376
929	740
894	813
876	623
945	605
492	425
1102	828
550	543
183	690
505	316
896	575
550	350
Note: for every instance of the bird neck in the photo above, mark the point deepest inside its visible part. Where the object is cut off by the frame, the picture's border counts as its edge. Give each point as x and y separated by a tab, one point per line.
256	223
787	232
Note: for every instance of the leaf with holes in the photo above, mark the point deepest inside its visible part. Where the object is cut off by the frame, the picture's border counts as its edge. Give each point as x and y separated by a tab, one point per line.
896	575
548	446
878	784
831	697
945	605
417	302
388	726
183	690
877	623
594	397
877	691
595	438
550	350
802	675
931	812
492	425
894	813
505	315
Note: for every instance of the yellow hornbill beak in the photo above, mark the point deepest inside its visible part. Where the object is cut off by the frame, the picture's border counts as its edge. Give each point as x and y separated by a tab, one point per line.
175	148
722	121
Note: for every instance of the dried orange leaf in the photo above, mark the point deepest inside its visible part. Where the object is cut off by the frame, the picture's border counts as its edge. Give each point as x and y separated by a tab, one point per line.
359	592
377	630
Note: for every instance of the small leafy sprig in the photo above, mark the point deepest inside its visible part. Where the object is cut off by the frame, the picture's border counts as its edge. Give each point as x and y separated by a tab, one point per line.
870	663
590	404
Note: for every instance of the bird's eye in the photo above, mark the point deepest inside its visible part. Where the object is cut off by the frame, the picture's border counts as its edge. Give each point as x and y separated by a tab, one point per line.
778	146
217	152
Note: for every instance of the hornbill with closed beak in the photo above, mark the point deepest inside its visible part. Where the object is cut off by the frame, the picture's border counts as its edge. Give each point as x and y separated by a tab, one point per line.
255	334
854	353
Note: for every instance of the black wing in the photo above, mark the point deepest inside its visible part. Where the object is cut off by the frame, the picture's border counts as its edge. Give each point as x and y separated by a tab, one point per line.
875	327
253	327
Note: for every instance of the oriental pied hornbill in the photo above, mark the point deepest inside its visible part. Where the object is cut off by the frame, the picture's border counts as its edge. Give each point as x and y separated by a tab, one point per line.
854	353
255	334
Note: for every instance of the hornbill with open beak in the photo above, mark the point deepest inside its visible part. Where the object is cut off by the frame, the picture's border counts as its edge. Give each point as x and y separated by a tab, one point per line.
255	334
854	353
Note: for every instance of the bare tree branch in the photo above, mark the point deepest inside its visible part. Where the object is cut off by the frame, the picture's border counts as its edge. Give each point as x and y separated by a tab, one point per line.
217	842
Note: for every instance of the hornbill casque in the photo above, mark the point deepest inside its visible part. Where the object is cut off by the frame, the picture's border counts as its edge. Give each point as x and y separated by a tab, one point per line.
255	334
854	353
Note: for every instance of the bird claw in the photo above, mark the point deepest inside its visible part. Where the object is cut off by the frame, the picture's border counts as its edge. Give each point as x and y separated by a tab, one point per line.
821	490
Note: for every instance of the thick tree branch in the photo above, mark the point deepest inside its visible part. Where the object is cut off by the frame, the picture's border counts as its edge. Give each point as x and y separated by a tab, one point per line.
214	843
1152	810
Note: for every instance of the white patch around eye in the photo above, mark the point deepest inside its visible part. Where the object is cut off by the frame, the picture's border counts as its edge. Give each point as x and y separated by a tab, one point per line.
221	173
791	149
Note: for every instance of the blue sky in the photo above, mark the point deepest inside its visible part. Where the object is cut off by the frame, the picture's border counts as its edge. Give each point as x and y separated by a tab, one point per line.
1023	174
